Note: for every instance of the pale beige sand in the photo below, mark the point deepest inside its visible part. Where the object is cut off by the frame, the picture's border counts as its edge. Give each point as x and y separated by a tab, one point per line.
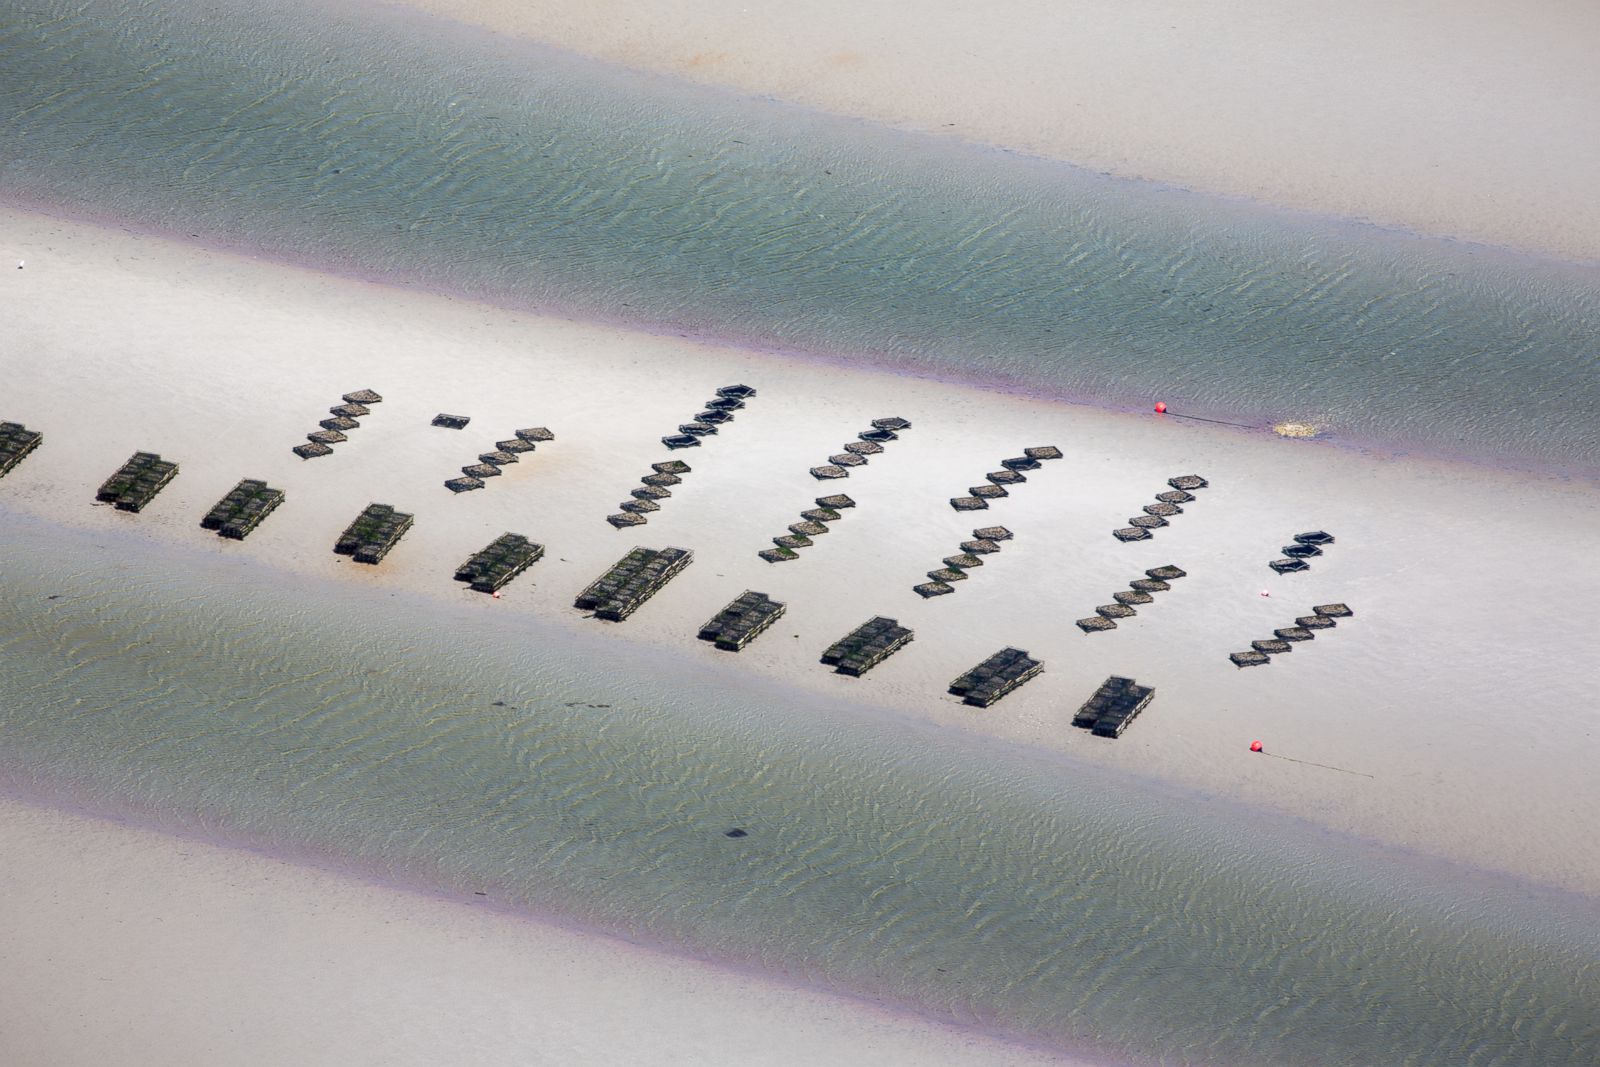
1458	687
1472	119
124	946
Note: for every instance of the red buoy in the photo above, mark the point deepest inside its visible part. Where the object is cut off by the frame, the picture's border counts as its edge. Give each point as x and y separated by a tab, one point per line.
1161	407
1255	746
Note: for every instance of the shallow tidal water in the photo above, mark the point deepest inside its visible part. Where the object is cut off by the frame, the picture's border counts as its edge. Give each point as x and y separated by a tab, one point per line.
389	144
994	886
973	881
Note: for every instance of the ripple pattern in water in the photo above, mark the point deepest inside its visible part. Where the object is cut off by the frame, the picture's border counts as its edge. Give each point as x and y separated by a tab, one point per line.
387	143
979	883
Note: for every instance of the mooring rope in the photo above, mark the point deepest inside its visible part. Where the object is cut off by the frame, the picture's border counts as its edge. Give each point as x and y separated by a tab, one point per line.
1308	763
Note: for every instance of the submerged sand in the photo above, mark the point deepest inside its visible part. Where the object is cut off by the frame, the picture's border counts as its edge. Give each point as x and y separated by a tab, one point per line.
1451	692
1450	715
1466	120
258	961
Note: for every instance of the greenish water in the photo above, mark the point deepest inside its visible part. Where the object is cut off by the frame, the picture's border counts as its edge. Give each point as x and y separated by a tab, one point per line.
368	140
992	886
973	881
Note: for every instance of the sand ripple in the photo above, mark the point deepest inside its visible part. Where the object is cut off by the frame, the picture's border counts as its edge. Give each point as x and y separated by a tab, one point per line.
1026	894
446	157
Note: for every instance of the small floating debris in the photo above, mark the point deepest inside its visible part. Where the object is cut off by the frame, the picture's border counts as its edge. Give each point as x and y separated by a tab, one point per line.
933	589
311	450
1249	659
829	471
623	520
778	555
681	440
992	533
490	568
362	396
670	466
137	482
1113	707
16	441
1188	482
1131	533
1296	429
1334	611
744	619
1289	566
969	503
1042	452
631	581
535	434
867	646
373	534
1096	623
465	483
995	677
244	508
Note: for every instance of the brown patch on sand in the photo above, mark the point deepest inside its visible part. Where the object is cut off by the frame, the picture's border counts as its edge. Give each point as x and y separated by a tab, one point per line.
705	59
